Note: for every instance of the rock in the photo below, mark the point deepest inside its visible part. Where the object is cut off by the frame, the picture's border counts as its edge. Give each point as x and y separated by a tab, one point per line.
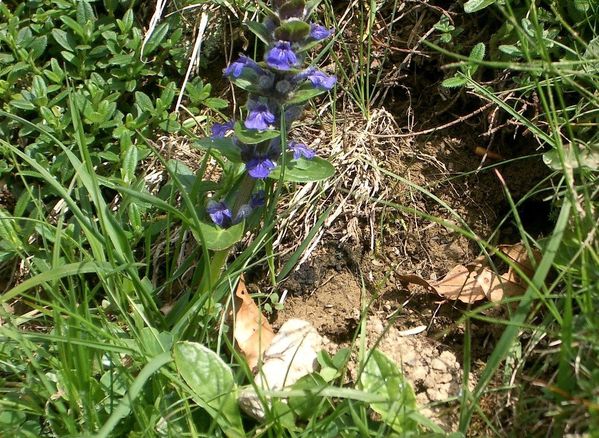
419	373
291	356
444	378
438	365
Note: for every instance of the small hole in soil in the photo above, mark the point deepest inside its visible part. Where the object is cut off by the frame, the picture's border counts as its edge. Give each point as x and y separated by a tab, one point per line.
536	217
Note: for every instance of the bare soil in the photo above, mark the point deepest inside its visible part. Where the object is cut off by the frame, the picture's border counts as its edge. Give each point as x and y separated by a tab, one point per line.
340	283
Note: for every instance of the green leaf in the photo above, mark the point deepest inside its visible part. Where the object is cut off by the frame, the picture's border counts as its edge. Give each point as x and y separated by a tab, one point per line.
247	81
182	173
21	104
454	82
306	405
573	159
212	385
130	163
216	103
304	93
38	47
218	239
225	146
156	38
144	102
64	39
260	31
154	342
302	170
510	50
476	5
85	12
382	377
252	136
478	52
73	25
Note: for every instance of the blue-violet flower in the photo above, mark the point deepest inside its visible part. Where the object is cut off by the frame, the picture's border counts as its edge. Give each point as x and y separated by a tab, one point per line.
281	56
259	117
260	166
319	32
317	78
219	130
235	69
301	150
219	213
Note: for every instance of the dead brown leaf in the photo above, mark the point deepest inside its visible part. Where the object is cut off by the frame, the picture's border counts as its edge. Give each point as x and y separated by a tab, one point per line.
496	287
519	255
476	280
251	329
461	283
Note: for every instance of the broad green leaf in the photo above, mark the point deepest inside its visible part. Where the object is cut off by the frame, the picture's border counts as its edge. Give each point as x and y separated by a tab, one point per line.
381	376
216	103
183	173
156	38
250	136
212	385
74	26
124	407
573	160
304	93
64	39
476	5
260	31
85	12
510	50
37	47
225	146
154	342
144	102
218	238
302	170
9	231
306	405
130	163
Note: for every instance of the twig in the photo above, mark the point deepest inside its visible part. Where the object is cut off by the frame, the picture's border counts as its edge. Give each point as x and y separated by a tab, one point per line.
437	128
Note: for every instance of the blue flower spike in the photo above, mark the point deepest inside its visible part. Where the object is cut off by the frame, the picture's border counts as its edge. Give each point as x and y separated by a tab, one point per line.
278	84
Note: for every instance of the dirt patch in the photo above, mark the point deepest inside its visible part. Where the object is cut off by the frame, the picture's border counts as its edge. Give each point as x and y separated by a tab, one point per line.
399	188
334	309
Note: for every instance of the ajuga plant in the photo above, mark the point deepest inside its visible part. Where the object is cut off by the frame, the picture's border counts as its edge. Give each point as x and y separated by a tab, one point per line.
257	147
